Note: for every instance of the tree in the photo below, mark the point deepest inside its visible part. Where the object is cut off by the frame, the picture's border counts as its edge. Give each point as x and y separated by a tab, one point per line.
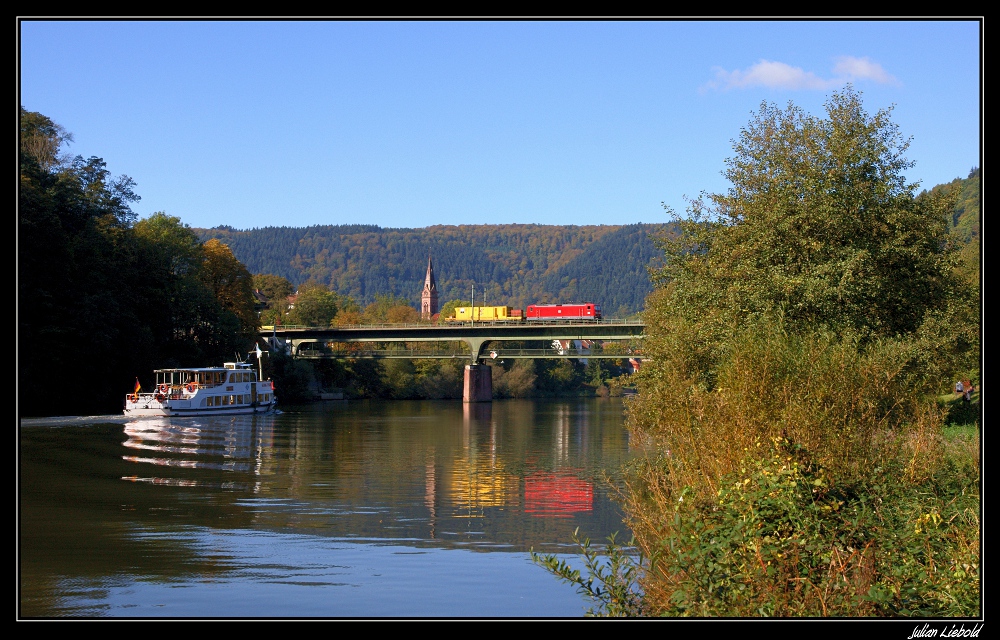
79	270
107	295
273	287
315	306
276	290
180	253
402	313
42	141
820	225
379	311
448	310
805	316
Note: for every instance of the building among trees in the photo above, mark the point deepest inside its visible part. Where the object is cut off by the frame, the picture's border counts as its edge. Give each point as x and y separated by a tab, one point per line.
429	296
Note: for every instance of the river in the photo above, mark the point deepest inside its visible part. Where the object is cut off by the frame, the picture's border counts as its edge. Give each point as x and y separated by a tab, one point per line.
360	509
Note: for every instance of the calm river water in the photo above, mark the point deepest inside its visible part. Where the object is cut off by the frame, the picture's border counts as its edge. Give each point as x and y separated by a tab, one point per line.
359	509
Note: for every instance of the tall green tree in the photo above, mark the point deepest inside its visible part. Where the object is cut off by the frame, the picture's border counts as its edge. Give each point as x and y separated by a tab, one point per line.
820	225
78	270
273	287
809	312
231	285
104	295
316	306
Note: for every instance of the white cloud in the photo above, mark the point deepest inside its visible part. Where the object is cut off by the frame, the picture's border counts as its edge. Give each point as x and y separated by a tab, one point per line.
862	69
779	75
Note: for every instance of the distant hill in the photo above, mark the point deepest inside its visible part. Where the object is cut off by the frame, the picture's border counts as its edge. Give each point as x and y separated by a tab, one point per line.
511	264
966	220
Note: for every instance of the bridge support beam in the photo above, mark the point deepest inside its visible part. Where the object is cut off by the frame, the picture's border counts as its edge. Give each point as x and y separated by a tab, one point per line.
478	386
475	347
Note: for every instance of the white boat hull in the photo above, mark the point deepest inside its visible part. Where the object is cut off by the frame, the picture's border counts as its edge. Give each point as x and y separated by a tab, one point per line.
218	398
142	409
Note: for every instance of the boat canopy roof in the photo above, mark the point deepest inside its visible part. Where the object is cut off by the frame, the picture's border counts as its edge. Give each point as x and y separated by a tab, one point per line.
224	367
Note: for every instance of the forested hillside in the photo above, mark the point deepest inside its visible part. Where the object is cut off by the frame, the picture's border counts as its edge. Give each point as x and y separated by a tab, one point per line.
965	220
515	264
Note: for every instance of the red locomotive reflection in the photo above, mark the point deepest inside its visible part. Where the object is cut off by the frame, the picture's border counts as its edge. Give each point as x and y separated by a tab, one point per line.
557	496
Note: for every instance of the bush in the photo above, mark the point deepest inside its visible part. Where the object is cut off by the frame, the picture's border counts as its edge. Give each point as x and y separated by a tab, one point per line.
612	576
782	537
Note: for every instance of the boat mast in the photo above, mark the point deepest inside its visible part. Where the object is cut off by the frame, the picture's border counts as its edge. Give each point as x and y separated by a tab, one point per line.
260	362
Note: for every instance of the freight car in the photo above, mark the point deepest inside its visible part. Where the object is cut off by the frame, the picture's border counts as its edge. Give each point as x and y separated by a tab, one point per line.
486	314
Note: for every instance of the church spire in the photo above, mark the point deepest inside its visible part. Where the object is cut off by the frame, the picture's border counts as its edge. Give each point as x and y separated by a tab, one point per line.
429	296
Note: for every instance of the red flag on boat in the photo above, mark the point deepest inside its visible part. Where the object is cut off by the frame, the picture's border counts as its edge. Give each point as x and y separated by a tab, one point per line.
138	387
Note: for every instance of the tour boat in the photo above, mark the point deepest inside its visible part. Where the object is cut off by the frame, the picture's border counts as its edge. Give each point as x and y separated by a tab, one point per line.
232	389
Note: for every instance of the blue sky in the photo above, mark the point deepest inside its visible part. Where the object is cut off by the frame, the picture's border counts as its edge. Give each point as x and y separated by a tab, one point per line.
416	123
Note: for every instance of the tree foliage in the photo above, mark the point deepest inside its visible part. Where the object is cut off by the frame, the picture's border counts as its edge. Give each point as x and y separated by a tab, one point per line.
813	303
819	227
964	222
315	306
390	308
107	297
273	287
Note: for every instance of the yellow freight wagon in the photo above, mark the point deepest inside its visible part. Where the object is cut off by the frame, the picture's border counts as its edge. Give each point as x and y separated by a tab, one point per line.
486	314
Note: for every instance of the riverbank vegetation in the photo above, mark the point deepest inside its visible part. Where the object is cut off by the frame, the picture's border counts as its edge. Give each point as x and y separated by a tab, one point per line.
104	298
798	460
441	379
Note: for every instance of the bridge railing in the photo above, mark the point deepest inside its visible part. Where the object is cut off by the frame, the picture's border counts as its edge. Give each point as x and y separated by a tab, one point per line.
476	323
417	354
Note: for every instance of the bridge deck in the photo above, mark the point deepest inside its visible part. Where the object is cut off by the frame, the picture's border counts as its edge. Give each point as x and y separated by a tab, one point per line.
577	330
473	334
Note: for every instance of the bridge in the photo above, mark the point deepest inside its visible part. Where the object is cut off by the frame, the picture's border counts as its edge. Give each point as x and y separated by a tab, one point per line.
315	341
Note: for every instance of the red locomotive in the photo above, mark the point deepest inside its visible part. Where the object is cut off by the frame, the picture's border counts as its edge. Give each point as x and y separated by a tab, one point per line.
584	311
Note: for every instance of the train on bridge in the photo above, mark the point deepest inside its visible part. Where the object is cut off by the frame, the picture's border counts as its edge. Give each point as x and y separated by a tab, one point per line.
533	313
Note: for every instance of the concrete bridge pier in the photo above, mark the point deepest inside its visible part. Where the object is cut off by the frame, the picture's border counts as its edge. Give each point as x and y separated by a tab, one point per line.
478	386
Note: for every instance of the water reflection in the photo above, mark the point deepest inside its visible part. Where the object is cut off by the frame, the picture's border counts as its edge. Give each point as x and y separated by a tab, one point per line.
557	496
306	497
233	443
